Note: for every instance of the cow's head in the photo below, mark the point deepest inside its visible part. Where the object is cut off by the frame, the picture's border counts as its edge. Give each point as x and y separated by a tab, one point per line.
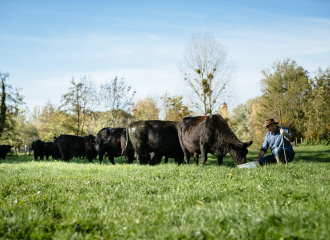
239	152
98	144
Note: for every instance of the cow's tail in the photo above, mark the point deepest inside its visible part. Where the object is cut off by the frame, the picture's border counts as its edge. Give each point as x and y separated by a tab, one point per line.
127	139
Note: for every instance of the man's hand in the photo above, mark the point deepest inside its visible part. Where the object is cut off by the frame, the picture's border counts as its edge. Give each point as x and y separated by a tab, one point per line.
288	136
261	154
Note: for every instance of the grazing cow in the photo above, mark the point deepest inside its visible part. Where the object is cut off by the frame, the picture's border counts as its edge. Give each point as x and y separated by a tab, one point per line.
210	134
4	149
157	137
56	149
39	148
49	150
70	145
113	141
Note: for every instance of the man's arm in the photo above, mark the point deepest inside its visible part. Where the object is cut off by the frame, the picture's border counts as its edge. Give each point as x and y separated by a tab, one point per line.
285	134
261	154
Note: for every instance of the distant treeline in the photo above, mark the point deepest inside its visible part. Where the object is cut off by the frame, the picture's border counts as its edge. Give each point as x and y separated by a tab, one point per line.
304	100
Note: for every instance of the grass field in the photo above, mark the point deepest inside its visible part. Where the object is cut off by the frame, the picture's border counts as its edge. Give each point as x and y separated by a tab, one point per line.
78	200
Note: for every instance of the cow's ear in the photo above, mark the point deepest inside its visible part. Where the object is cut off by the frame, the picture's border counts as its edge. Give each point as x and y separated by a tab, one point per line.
92	141
248	144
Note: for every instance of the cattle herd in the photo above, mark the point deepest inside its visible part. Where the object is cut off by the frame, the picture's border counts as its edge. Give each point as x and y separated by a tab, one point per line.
148	142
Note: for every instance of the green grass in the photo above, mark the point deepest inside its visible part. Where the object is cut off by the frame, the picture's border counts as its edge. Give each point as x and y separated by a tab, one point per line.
78	200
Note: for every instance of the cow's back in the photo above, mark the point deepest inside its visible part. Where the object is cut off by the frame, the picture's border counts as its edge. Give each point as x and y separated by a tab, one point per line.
4	149
157	137
160	136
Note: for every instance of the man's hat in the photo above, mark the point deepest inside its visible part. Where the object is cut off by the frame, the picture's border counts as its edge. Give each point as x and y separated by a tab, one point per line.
269	121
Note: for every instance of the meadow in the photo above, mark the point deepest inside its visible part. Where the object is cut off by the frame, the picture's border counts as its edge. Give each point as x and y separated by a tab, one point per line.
79	200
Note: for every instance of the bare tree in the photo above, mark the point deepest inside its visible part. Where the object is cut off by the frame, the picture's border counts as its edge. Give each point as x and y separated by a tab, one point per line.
207	72
116	97
80	101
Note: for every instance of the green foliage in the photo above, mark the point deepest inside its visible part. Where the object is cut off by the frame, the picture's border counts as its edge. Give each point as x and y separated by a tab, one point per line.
304	102
11	102
76	200
119	118
51	122
244	122
146	109
174	109
78	103
23	132
284	87
317	107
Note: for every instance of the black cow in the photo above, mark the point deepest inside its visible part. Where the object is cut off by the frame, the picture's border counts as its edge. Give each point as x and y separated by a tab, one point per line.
157	137
49	150
4	149
210	134
56	150
70	145
113	141
39	148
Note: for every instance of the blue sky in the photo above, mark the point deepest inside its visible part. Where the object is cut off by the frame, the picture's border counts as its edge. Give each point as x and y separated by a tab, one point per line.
44	43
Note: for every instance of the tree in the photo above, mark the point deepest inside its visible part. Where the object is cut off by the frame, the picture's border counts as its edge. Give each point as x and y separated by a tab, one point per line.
207	72
10	103
146	109
116	97
174	109
50	122
223	111
80	102
244	121
285	86
21	134
317	107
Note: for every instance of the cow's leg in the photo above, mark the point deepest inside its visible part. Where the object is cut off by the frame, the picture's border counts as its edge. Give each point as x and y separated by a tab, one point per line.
65	157
204	154
35	155
187	157
179	159
145	156
101	154
129	156
220	160
196	157
138	159
112	159
42	156
219	155
186	154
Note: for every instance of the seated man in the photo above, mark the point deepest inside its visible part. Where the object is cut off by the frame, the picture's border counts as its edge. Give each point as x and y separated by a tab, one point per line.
273	140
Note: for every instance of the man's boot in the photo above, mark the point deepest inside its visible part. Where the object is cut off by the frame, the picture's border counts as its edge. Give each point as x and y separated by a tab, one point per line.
280	160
